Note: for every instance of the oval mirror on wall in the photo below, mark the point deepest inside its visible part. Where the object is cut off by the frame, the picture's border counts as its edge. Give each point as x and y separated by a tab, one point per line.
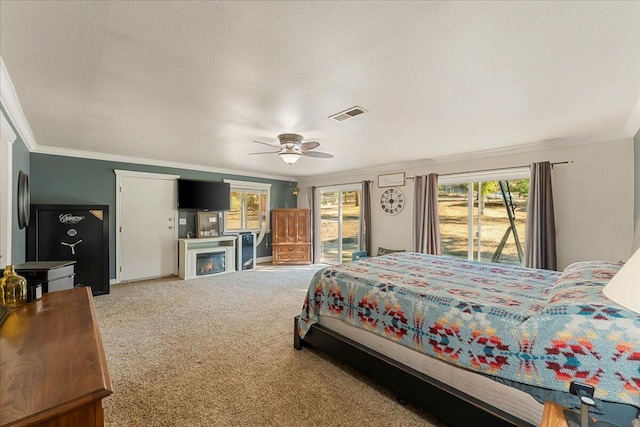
24	200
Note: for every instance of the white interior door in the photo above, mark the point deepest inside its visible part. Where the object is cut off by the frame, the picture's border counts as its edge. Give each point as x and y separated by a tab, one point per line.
147	226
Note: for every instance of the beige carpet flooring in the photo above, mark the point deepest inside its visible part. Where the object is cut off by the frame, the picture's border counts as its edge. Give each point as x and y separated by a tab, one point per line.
218	351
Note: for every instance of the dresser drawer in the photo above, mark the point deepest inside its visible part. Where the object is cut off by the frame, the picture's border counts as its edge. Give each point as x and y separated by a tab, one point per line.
292	254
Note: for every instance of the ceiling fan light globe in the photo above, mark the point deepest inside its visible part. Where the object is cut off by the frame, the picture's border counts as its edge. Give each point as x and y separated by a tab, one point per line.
290	158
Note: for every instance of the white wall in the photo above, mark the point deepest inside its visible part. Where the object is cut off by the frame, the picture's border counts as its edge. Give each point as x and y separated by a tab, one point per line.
593	197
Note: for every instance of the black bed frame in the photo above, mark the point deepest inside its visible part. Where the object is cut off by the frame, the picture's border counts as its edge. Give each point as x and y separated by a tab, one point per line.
449	405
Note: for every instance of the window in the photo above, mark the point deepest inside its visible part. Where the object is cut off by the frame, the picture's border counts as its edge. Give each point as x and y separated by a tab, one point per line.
483	215
250	206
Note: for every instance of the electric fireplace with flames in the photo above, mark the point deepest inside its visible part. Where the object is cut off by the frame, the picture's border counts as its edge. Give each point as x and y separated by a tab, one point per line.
210	263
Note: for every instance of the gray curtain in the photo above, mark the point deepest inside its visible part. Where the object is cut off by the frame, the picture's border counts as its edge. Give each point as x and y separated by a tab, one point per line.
365	222
311	196
540	237
426	224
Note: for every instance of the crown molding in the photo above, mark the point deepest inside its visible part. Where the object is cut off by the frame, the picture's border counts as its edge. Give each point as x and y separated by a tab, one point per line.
548	144
525	148
633	123
66	152
10	101
12	106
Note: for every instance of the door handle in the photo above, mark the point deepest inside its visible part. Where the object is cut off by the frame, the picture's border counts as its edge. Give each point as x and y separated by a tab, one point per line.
170	227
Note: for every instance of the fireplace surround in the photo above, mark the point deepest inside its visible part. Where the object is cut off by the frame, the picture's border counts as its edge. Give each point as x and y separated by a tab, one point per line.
200	257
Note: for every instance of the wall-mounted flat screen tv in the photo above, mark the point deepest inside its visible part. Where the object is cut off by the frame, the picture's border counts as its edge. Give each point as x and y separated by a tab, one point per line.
203	195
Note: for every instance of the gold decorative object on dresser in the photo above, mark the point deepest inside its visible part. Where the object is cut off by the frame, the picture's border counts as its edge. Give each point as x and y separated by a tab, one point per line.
13	288
291	236
53	371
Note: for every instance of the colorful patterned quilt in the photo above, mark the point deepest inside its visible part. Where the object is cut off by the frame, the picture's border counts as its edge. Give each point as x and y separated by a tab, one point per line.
536	327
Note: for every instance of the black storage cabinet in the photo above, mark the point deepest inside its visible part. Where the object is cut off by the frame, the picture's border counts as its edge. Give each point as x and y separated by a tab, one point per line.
77	233
51	275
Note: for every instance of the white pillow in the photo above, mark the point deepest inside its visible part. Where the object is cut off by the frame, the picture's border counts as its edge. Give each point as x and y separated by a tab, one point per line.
624	287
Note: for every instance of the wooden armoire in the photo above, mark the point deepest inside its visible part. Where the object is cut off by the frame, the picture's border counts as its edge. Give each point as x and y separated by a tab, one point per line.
291	236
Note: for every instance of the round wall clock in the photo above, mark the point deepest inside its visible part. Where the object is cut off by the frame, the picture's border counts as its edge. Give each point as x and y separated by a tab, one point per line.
392	201
24	200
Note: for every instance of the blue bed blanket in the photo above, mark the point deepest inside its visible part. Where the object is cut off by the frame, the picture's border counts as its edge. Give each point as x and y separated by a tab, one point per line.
535	327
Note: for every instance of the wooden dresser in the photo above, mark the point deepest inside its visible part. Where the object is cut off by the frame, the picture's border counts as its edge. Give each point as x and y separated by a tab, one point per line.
291	236
53	371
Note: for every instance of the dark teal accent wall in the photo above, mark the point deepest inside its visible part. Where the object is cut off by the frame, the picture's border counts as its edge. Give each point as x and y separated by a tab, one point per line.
20	162
70	180
18	237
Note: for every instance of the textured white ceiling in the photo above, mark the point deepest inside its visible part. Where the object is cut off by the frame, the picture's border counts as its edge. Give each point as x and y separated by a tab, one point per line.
197	82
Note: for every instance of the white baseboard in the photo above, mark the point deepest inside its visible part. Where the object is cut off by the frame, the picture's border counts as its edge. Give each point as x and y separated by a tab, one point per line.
260	260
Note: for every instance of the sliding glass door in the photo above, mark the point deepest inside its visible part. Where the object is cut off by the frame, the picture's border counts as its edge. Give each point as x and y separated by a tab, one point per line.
339	229
484	220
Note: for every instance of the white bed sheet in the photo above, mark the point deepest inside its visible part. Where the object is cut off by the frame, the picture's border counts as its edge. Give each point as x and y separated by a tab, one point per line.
508	399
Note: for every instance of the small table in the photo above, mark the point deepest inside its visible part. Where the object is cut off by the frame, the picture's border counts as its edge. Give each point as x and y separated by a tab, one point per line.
53	275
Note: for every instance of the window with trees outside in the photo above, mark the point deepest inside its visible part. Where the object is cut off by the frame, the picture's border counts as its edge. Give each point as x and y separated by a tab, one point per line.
483	216
250	206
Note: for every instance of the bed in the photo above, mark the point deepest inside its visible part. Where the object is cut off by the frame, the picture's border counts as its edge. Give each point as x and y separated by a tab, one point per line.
497	339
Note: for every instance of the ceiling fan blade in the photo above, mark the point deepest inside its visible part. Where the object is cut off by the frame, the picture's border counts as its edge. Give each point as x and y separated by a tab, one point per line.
309	145
266	143
317	154
265	152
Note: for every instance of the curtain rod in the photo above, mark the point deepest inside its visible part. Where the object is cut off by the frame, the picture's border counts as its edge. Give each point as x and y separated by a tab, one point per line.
496	169
346	183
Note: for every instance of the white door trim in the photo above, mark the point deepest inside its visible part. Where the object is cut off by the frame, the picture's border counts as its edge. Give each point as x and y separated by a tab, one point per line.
7	138
135	174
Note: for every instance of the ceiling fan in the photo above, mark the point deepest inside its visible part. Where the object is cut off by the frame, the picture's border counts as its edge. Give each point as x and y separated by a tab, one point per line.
291	148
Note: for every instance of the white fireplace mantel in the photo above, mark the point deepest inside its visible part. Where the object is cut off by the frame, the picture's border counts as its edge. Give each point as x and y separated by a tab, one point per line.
190	248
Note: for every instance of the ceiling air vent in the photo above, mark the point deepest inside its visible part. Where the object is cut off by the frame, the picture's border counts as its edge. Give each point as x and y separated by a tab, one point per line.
348	114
